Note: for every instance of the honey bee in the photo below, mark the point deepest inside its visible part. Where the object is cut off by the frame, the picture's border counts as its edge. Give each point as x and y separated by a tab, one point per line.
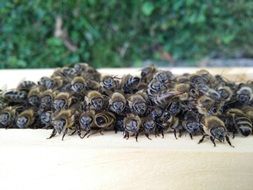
191	123
129	84
137	104
14	96
2	101
132	124
104	120
95	100
46	119
199	83
62	122
78	84
61	101
83	69
183	88
7	117
47	83
34	97
155	87
46	100
163	99
215	129
244	95
147	73
208	106
25	119
225	93
86	122
164	76
117	103
109	84
25	85
238	122
149	126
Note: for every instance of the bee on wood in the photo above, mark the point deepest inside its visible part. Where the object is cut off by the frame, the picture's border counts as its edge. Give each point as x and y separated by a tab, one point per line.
129	84
25	119
25	86
191	123
215	129
109	84
137	104
104	120
155	87
14	96
62	122
237	122
61	101
132	124
46	119
83	69
147	73
95	100
86	122
117	103
148	126
7	117
34	97
46	100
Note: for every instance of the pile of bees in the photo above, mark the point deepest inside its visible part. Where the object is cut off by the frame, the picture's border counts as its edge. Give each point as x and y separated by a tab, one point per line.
79	100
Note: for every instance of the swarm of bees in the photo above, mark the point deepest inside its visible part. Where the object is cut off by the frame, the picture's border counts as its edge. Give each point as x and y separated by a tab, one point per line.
80	101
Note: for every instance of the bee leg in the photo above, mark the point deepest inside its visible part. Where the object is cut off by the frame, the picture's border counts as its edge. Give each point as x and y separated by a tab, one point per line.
162	133
73	132
84	134
190	136
233	135
54	132
93	133
212	139
64	133
228	140
202	139
180	133
136	137
101	132
147	135
126	136
175	133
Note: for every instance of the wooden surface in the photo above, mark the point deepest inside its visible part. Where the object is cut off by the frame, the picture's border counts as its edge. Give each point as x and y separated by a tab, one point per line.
29	161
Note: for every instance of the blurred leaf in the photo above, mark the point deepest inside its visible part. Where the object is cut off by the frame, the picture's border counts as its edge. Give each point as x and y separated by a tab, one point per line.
147	8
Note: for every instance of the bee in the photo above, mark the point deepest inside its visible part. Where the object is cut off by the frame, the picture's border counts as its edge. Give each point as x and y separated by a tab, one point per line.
104	120
138	104
61	101
148	126
34	97
199	83
163	99
129	84
95	100
2	101
47	83
25	86
46	100
62	122
164	76
132	124
225	93
183	88
208	106
155	87
117	103
46	118
14	96
215	129
25	119
83	69
78	84
147	73
191	123
244	95
86	122
109	84
7	117
238	122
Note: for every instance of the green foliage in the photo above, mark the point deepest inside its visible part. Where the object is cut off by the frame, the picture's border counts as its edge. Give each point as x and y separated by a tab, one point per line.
122	33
